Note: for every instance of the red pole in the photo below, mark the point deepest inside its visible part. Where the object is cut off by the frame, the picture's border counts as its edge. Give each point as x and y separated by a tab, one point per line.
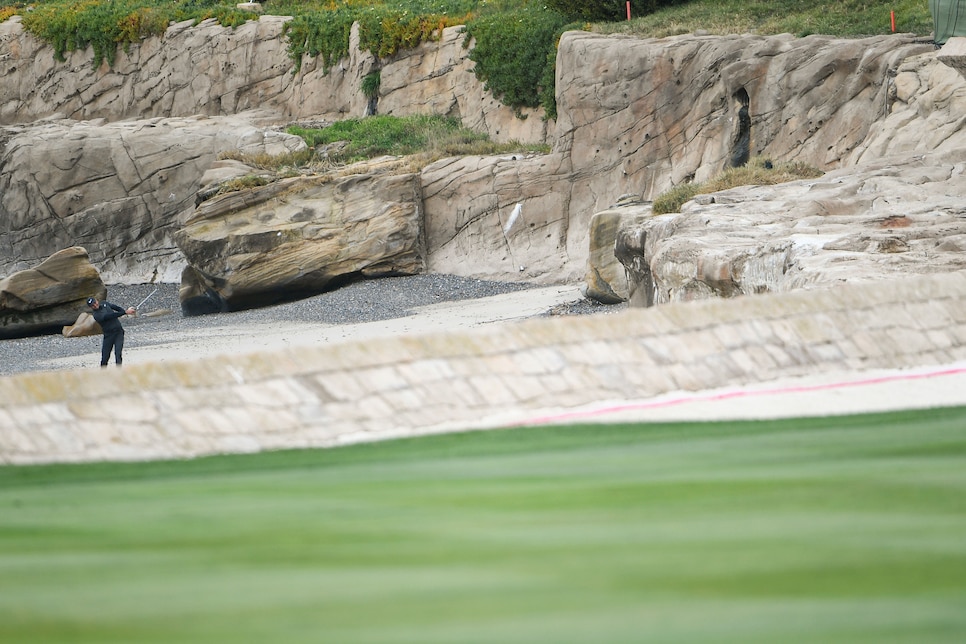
892	14
629	10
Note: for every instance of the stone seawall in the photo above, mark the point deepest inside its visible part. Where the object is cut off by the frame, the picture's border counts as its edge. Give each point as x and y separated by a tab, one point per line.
362	391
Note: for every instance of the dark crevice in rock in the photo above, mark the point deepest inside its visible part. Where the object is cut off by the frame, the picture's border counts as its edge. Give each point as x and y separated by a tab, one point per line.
741	143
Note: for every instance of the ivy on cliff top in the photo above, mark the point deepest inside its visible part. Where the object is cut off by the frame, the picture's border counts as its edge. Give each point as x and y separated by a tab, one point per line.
515	50
322	31
104	26
321	34
515	39
515	55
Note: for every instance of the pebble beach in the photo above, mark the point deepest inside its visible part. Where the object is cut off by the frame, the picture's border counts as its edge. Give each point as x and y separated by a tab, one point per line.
419	303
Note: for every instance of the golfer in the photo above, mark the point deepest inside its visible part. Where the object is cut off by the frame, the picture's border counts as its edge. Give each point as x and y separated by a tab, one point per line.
107	314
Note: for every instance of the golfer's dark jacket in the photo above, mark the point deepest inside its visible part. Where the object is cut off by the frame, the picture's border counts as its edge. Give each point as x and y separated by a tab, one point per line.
107	316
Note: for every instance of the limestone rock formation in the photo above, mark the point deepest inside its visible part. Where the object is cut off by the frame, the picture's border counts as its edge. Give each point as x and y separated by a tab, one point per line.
606	281
191	69
48	296
661	112
926	105
114	188
899	216
214	70
468	202
639	116
437	78
299	236
894	207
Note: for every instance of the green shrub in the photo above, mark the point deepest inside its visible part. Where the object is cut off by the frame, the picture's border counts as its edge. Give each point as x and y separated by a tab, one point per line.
849	19
378	135
99	25
515	52
322	29
591	10
323	35
548	82
103	26
672	200
426	137
609	10
384	31
370	84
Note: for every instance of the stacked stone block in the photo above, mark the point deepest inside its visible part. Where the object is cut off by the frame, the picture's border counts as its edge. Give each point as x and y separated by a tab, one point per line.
488	377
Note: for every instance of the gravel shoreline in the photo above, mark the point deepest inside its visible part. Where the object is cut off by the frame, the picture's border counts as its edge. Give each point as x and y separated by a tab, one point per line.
359	302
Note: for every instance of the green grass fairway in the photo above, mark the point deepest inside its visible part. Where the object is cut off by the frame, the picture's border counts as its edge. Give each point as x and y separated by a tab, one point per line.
825	530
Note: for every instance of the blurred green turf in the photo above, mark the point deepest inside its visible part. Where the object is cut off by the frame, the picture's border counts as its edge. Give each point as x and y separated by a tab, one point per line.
811	530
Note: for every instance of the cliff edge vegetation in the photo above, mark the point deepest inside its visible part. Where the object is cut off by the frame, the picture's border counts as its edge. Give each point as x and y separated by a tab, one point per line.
422	139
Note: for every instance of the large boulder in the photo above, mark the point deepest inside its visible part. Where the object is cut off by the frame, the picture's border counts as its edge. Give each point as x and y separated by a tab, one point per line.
45	298
299	236
606	279
84	325
953	54
116	189
898	216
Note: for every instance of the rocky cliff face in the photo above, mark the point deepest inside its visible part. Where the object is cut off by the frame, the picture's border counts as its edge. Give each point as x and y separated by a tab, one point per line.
640	116
216	71
116	189
636	116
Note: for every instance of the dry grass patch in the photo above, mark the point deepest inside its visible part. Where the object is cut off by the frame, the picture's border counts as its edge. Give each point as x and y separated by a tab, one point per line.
758	172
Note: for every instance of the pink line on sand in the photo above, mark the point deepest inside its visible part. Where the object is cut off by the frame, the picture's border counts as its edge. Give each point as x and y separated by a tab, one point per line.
739	393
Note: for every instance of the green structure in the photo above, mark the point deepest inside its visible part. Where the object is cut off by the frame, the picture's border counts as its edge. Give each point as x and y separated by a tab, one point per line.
949	19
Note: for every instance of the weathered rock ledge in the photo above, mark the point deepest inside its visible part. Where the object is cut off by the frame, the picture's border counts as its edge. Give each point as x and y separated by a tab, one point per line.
894	208
900	216
116	189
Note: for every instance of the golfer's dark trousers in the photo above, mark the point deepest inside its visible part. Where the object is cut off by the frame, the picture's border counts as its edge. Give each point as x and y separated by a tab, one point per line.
113	340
